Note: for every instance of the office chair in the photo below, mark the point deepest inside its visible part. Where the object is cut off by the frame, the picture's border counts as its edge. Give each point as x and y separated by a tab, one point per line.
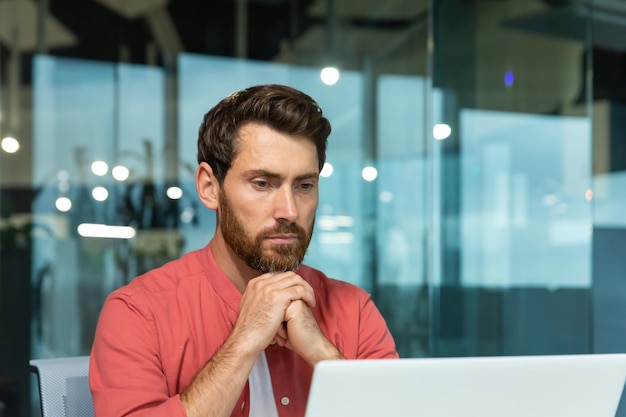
64	386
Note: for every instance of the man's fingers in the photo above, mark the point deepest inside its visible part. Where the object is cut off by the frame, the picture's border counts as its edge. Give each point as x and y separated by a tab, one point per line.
282	331
281	336
273	284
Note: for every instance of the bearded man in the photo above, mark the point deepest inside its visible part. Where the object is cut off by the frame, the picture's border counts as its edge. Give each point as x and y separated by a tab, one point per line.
236	328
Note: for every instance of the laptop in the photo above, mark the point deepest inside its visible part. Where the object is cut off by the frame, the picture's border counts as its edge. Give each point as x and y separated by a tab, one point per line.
588	385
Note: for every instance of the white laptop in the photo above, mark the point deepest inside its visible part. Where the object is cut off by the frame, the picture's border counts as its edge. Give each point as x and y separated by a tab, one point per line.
507	386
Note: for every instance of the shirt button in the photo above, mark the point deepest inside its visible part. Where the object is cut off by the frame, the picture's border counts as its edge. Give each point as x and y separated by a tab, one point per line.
284	401
243	405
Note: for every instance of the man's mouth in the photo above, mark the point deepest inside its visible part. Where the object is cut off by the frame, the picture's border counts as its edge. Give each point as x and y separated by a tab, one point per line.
282	239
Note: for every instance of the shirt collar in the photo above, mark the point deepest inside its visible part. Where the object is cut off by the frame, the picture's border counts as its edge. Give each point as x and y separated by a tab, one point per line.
218	279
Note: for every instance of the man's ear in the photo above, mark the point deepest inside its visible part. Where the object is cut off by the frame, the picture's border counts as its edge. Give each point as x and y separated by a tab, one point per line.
207	186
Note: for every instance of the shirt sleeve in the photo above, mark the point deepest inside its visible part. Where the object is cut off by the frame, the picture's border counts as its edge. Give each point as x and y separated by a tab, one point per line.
375	339
125	375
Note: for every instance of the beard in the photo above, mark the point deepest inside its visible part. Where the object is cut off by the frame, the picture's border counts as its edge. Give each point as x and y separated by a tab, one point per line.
275	258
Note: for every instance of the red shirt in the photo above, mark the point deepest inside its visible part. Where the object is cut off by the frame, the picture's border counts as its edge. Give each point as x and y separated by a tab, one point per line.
157	332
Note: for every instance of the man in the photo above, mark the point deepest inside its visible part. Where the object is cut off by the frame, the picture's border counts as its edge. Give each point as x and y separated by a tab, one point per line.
236	328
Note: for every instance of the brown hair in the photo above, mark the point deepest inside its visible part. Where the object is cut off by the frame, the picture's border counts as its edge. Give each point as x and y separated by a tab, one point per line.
282	108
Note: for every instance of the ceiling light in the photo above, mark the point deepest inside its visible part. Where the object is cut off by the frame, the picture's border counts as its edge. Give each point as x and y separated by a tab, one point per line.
10	144
329	75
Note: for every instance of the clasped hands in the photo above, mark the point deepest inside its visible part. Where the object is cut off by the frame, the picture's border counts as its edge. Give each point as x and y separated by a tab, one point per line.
277	307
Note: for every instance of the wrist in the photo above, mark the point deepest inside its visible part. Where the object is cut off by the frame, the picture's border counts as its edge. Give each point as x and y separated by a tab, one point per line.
325	353
241	345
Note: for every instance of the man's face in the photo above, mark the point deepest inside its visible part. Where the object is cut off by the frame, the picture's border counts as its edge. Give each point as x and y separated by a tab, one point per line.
268	200
250	247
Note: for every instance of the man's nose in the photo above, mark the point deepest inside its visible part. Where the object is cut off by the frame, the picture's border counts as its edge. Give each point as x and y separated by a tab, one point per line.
285	207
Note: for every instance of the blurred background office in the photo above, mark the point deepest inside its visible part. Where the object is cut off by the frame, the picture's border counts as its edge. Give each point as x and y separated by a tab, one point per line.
475	182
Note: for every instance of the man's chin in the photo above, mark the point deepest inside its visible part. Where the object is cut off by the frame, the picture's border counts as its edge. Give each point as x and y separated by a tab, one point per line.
276	251
275	263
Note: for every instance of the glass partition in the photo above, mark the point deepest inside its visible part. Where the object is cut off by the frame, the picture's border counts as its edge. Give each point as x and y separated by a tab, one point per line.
515	179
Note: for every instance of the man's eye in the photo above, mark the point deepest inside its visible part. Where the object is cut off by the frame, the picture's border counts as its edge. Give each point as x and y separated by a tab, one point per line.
306	186
261	184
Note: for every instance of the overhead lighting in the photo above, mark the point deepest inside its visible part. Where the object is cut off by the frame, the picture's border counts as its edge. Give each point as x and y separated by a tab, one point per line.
106	231
327	170
100	193
99	168
441	131
369	173
175	193
63	204
329	75
120	173
10	144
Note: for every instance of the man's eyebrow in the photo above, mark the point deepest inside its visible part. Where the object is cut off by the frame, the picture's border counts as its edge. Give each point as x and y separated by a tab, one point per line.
260	173
265	173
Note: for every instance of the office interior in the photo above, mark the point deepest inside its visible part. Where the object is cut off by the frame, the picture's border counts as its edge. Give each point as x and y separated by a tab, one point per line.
475	182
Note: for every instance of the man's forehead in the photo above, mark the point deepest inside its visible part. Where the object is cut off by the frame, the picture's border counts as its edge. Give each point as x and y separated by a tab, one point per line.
273	154
261	140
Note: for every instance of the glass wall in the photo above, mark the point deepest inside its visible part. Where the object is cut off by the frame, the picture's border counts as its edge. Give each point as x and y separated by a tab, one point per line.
475	182
514	181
